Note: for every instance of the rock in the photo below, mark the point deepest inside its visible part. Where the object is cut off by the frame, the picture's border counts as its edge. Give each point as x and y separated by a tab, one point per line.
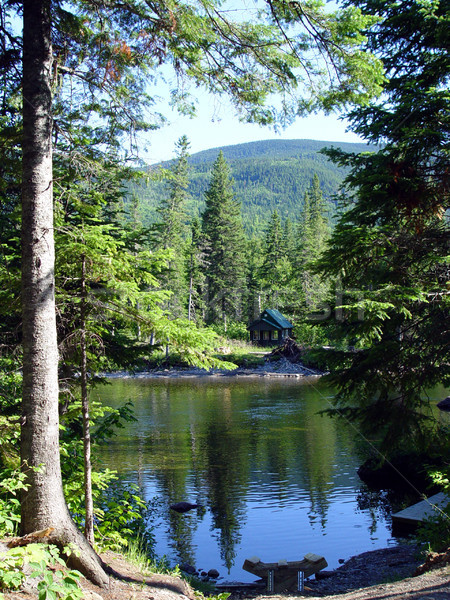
213	573
187	568
182	507
224	349
414	468
444	404
324	574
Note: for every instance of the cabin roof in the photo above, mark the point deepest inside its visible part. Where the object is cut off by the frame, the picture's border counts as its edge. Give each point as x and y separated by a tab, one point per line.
273	318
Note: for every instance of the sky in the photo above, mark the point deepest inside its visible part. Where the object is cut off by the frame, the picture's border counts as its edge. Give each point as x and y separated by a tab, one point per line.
217	126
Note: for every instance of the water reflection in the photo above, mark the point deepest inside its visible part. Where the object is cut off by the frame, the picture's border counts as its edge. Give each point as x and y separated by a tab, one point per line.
274	478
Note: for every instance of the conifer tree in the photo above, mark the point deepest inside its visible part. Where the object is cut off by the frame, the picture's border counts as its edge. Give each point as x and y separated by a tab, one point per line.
194	261
289	240
172	230
390	247
172	210
224	247
255	295
313	231
275	271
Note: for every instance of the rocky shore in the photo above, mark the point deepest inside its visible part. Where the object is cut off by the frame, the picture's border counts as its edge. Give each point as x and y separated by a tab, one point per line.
279	368
364	570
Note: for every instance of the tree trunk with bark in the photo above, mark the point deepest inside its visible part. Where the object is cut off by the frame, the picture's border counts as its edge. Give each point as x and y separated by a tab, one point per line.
88	499
43	504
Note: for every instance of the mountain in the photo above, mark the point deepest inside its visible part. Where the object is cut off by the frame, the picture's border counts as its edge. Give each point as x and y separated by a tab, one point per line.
268	175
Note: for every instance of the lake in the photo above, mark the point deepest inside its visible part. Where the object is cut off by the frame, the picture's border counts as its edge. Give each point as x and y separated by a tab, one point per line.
273	477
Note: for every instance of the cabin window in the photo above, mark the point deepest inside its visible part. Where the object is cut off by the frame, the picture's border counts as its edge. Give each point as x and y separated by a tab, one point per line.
255	334
274	335
266	335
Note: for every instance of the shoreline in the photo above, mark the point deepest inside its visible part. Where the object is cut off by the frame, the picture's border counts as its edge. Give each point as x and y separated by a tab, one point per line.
281	368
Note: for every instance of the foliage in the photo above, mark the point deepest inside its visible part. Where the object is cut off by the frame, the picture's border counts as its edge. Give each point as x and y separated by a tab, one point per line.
236	330
276	268
53	584
9	441
170	230
121	515
278	62
308	335
12	482
313	231
194	263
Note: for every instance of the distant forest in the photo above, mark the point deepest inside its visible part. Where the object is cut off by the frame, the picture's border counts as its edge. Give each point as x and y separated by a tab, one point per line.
268	175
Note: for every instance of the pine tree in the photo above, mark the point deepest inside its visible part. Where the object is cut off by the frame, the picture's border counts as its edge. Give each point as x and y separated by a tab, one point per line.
224	247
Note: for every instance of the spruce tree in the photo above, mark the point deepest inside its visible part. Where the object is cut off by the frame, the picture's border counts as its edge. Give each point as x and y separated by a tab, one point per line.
390	248
275	271
194	262
171	230
224	247
172	210
313	230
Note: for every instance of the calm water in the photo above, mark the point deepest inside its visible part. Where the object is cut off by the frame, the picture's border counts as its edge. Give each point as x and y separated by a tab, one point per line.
274	478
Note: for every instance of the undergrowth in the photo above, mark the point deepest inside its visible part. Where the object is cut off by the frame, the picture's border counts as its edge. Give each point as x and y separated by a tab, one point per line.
34	560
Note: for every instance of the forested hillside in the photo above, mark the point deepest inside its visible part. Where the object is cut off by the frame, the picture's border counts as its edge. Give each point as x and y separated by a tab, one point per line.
269	175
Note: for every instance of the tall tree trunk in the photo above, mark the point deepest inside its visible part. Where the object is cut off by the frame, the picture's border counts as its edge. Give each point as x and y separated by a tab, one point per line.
191	288
43	503
88	501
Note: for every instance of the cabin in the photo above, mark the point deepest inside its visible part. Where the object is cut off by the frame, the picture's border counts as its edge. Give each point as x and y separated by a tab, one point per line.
271	328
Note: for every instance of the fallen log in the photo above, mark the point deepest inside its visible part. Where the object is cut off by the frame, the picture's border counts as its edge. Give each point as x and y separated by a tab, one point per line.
41	536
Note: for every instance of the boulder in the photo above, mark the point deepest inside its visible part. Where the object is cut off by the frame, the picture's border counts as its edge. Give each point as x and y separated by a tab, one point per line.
213	573
182	507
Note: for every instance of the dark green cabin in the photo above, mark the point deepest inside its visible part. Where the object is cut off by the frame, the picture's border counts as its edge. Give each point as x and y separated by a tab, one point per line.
271	328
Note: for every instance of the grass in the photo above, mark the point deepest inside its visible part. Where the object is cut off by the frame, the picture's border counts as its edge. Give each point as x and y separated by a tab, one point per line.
242	353
136	556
